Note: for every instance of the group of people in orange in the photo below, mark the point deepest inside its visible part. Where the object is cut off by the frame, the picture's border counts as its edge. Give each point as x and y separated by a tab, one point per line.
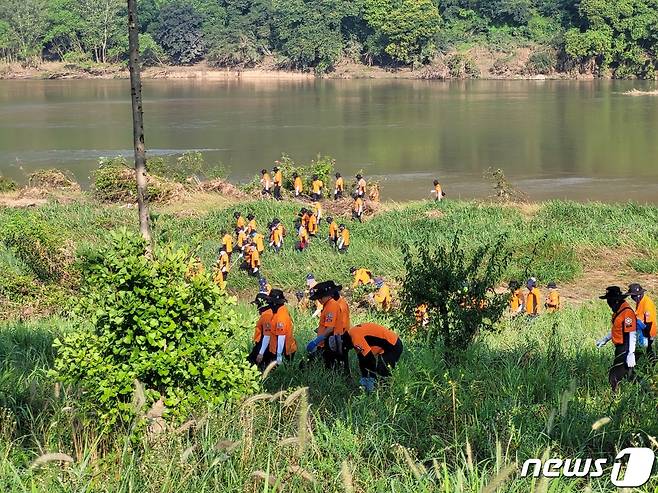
530	303
378	348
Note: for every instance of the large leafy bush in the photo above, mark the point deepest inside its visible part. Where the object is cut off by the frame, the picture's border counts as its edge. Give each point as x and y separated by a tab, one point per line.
153	322
458	287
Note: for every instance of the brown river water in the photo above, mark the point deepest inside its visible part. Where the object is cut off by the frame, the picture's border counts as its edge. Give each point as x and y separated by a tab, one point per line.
553	139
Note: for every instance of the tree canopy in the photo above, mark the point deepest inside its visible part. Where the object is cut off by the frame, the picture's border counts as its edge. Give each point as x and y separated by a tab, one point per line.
613	37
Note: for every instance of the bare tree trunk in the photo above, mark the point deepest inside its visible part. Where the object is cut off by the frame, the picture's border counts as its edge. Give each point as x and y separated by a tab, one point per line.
138	123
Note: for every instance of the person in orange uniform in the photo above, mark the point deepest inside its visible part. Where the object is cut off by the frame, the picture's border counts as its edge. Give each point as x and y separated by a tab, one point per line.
361	277
297	184
553	300
222	268
278	182
251	225
254	260
259	241
623	335
241	239
357	209
239	220
378	350
382	298
262	333
276	237
312	224
437	191
334	321
339	187
517	300
533	298
333	231
343	239
317	210
303	238
316	188
645	311
227	243
282	342
361	186
266	182
304	216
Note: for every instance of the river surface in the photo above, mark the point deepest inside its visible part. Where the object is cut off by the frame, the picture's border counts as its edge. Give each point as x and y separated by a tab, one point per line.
554	139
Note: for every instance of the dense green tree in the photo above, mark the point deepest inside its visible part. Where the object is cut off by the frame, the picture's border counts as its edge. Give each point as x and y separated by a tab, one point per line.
620	35
237	32
404	29
178	31
27	23
308	33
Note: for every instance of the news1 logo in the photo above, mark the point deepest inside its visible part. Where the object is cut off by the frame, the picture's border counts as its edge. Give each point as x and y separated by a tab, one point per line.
636	462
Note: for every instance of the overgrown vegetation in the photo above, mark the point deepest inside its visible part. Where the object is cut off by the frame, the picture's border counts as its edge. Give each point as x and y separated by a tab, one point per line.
154	321
458	289
616	38
442	424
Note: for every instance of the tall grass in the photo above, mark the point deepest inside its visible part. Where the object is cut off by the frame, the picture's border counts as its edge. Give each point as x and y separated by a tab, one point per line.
528	388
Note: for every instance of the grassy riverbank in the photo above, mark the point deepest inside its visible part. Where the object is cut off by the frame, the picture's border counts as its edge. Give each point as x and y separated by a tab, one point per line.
520	392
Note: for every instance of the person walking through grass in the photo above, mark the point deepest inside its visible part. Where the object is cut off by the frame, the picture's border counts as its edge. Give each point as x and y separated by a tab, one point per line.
622	334
645	311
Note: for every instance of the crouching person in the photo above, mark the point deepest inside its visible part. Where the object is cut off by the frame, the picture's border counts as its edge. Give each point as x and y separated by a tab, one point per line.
378	350
282	343
260	355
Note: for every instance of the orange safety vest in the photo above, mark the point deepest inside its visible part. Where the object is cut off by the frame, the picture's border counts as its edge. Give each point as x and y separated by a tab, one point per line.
646	311
623	321
532	302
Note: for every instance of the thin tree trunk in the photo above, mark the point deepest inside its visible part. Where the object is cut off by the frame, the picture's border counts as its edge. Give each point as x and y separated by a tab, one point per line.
138	123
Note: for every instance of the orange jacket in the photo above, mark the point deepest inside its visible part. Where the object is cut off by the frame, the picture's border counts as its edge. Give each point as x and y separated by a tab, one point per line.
623	321
317	186
532	300
282	326
313	224
263	326
278	178
372	337
361	277
646	311
333	230
340	184
227	241
345	235
299	186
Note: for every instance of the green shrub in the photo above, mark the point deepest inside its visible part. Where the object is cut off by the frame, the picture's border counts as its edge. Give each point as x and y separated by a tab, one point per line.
462	66
114	181
458	288
36	243
152	322
541	62
323	166
189	164
7	184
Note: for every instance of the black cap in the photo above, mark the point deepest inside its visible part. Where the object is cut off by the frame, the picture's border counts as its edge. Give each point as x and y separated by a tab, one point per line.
358	176
276	168
614	293
551	285
514	284
635	290
322	289
261	300
276	297
236	213
251	216
352	270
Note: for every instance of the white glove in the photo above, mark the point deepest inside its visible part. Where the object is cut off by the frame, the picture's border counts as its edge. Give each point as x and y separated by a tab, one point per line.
603	341
630	360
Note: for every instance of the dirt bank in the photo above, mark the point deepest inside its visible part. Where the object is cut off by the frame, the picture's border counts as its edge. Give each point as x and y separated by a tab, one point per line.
477	63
